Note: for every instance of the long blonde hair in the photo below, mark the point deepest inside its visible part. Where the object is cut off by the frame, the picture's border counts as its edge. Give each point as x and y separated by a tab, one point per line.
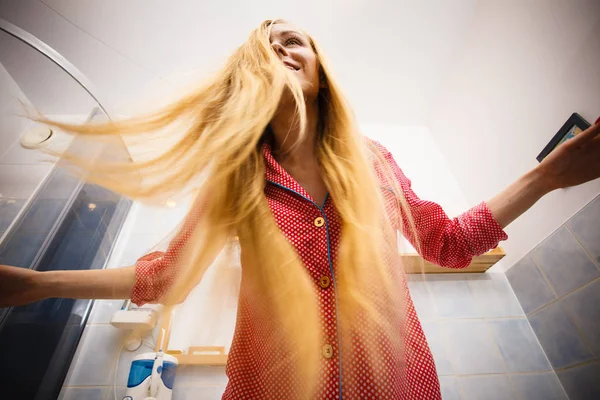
225	121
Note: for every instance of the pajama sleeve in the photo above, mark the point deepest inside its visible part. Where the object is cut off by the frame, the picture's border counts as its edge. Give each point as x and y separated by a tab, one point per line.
156	271
450	243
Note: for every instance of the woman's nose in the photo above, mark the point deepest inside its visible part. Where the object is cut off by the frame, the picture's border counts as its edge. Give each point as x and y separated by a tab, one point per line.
279	49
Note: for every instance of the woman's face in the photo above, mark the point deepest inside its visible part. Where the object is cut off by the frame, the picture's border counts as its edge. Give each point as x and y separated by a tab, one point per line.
295	51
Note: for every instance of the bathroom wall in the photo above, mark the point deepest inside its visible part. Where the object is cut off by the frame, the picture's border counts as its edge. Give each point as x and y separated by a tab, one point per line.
558	285
483	345
522	69
480	336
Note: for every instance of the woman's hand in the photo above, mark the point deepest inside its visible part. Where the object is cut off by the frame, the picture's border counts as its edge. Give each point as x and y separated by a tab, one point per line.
574	162
19	286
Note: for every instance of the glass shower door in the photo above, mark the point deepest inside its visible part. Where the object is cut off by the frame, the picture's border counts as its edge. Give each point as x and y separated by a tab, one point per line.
49	218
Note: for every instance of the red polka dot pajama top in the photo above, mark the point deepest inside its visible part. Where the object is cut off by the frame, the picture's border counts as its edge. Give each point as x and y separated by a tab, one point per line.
314	230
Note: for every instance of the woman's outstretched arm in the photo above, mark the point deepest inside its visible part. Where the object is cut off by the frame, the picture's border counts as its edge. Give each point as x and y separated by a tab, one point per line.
453	242
447	242
572	163
145	282
20	286
518	197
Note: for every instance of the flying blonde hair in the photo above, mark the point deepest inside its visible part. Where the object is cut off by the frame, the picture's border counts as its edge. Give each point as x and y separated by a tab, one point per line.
226	120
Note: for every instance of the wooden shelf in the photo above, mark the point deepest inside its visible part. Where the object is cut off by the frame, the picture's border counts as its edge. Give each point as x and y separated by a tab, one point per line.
482	263
201	355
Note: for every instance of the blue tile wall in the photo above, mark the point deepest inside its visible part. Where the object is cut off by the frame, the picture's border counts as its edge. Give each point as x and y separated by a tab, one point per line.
558	285
420	292
495	297
449	387
582	382
488	387
585	225
564	262
453	297
478	333
466	296
518	345
471	347
435	338
538	386
584	308
96	368
559	337
529	285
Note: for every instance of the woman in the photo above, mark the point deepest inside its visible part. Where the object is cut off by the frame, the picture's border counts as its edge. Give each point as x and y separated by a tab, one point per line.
323	309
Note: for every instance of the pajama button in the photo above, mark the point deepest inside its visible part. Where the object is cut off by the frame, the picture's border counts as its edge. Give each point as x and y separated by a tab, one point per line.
319	222
324	281
328	351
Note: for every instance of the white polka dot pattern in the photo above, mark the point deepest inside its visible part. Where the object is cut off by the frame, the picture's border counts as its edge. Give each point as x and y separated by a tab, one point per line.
406	375
450	243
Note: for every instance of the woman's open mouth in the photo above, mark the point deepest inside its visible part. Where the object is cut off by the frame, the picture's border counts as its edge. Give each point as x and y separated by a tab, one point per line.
291	66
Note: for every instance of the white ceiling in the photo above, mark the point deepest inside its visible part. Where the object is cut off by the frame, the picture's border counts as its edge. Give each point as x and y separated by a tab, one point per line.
390	56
